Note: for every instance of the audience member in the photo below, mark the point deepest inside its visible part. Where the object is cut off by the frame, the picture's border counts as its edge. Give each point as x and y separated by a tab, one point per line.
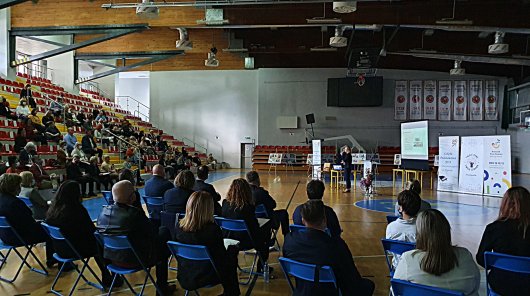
436	262
6	111
239	205
26	93
20	218
157	185
52	132
32	134
315	190
198	228
26	154
201	185
122	218
414	186
128	175
22	110
57	107
71	217
42	179
20	139
101	117
47	118
509	234
175	199
315	246
76	171
196	160
35	120
27	189
62	156
108	168
347	167
12	166
96	175
78	151
89	145
212	162
261	196
70	140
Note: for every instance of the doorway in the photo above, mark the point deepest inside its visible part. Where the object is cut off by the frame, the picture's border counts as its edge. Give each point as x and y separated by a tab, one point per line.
246	155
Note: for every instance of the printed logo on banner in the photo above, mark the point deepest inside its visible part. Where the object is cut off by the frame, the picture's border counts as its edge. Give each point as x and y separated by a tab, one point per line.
400	101
472	162
497	165
472	165
448	161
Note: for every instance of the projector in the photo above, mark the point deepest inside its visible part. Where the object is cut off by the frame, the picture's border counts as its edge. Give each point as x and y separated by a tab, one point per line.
147	12
344	6
338	41
498	48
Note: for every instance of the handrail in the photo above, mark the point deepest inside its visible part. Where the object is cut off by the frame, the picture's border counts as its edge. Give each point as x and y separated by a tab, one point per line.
140	113
128	143
195	144
133	100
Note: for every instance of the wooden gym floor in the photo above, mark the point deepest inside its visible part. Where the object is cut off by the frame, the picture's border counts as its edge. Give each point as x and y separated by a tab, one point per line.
363	229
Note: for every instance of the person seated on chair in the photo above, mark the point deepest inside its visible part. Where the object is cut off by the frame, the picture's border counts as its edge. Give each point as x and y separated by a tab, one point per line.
315	246
262	197
47	118
436	262
404	228
52	132
71	217
122	218
22	109
76	171
42	179
157	185
57	107
89	145
128	175
240	206
414	186
26	154
315	190
35	119
198	228
6	111
201	185
78	151
107	168
28	189
175	199
20	218
509	234
70	140
195	159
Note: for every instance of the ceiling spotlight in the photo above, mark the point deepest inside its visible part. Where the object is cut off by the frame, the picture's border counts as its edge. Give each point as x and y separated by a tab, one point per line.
457	70
147	10
212	60
498	47
344	6
338	40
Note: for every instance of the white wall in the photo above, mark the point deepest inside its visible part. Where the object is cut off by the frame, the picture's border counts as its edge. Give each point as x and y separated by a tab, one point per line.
216	109
63	65
135	85
5	23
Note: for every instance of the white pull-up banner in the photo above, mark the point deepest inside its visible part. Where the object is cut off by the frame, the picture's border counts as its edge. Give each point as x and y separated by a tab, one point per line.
497	165
400	100
449	148
471	178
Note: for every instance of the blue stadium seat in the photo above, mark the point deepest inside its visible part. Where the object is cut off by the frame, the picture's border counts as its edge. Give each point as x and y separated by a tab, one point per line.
391	218
155	205
515	264
395	247
405	288
306	272
261	212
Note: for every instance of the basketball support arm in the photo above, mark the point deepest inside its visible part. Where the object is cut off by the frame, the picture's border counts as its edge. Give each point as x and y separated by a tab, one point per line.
350	138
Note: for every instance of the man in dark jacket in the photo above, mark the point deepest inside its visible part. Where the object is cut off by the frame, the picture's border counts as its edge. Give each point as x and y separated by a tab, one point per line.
262	196
201	185
315	246
89	145
26	93
75	171
315	190
122	218
157	185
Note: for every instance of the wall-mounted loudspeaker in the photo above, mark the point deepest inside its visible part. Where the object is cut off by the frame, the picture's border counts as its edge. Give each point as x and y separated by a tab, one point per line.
310	118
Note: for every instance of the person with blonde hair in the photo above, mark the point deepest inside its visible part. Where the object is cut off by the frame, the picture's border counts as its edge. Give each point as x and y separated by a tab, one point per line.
175	199
199	228
435	261
240	206
28	189
509	234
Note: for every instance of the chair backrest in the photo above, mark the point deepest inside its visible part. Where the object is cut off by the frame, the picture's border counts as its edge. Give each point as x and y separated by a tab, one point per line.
154	206
391	218
53	232
26	200
107	195
4	223
231	224
307	272
169	220
302	228
191	252
405	288
261	211
507	262
395	247
114	242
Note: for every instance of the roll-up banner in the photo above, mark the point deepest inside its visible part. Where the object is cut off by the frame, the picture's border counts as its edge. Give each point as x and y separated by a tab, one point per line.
460	100
491	102
429	99
471	177
415	93
448	160
476	100
400	100
444	100
497	165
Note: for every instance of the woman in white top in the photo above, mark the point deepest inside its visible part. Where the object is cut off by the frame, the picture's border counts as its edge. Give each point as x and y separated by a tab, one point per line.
79	152
436	262
22	109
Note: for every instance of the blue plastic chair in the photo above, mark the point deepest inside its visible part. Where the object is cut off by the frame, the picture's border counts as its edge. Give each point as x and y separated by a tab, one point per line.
107	195
6	228
26	200
395	247
307	272
391	218
261	211
122	243
170	221
302	228
192	252
155	205
56	235
515	264
405	288
240	226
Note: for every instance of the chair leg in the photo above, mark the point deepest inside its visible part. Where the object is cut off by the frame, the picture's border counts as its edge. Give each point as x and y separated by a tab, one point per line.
154	282
23	258
250	272
52	289
4	258
42	271
128	284
100	286
169	263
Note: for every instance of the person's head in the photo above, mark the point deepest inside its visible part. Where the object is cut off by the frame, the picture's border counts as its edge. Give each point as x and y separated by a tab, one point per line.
70	131
210	155
75	159
68	196
62	144
202	172
313	214
123	192
10	184
22	102
409	203
26	179
94	160
515	205
239	194
78	145
99	126
158	170
347	149
195	154
253	178
199	211
185	180
433	236
60	99
126	175
27	86
49	112
414	185
4	100
30	146
315	189
34	112
106	158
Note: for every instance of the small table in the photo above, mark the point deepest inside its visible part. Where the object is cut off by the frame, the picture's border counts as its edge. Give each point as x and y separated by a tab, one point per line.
418	175
337	175
395	172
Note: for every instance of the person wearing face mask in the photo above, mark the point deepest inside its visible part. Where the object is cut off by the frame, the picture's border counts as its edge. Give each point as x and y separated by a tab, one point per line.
22	110
26	93
28	189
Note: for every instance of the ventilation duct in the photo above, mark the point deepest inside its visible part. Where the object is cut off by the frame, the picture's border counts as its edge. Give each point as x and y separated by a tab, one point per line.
344	6
146	10
184	43
498	47
212	60
457	70
338	40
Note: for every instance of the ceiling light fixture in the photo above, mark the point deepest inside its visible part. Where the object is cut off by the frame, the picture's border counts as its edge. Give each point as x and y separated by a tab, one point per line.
146	10
457	69
498	47
338	40
344	6
212	60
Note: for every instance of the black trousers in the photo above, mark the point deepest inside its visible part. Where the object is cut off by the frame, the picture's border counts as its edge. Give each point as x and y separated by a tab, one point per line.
84	181
281	218
347	177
